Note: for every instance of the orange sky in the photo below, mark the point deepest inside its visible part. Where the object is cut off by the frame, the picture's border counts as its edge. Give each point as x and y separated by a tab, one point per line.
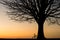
12	29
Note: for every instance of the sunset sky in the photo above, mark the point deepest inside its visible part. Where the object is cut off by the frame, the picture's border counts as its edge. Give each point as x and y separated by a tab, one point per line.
12	29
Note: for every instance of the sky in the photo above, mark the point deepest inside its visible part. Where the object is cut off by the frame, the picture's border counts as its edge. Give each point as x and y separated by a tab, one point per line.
13	29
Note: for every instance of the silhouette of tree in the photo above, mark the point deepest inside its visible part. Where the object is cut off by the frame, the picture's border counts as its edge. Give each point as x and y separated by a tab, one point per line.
34	10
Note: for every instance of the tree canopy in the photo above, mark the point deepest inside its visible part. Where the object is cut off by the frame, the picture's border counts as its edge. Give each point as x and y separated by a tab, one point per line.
29	10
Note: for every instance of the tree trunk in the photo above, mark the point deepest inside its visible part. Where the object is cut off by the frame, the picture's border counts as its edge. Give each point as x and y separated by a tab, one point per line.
40	28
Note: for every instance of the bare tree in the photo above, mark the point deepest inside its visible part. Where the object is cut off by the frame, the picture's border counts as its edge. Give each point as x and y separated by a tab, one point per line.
34	10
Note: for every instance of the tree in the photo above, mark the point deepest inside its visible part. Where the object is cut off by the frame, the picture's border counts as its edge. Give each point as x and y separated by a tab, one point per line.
34	36
34	10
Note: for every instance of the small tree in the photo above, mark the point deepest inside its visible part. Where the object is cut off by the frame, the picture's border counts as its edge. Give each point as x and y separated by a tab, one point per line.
34	36
38	10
